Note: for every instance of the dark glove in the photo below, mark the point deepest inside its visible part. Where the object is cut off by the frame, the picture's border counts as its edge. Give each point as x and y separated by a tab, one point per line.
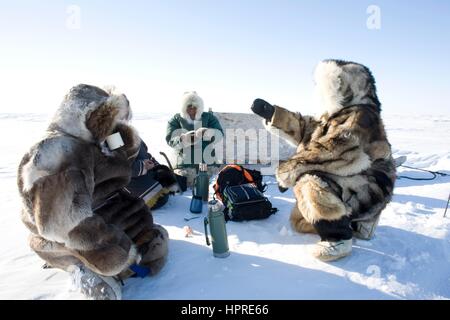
282	189
263	109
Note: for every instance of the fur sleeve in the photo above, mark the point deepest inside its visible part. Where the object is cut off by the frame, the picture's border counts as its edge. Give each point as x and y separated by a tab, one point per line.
63	214
338	151
290	126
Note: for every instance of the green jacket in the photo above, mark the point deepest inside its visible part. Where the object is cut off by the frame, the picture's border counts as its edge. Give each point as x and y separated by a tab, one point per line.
186	156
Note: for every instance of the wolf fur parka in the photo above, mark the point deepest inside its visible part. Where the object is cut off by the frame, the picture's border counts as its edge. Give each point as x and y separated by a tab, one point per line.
343	166
69	183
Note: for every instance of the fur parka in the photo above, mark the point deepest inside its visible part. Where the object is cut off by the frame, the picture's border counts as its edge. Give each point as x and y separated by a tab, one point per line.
343	164
69	183
189	156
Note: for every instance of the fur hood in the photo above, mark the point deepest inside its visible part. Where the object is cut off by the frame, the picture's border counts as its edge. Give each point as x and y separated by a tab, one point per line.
86	116
191	98
86	109
340	84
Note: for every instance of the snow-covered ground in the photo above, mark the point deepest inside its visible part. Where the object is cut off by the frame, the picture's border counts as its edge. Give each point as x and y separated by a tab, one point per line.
408	259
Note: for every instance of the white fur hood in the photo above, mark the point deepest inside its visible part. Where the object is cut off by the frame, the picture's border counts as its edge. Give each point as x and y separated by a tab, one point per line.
79	103
341	83
191	98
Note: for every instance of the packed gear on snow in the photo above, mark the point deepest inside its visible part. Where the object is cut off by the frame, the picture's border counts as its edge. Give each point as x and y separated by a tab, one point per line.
245	202
232	175
241	191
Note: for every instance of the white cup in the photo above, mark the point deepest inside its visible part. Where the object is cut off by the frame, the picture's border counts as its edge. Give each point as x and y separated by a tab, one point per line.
114	141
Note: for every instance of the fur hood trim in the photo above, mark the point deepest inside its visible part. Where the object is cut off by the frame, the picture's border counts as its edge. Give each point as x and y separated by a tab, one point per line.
192	98
82	100
340	84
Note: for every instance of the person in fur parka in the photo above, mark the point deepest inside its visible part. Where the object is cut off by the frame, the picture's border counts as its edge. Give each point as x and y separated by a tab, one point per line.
70	184
342	173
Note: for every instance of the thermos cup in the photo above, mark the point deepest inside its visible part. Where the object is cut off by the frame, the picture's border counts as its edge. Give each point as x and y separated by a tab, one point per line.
196	204
114	141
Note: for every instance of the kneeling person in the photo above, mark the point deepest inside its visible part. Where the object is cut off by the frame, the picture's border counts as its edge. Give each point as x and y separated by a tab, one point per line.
70	183
342	173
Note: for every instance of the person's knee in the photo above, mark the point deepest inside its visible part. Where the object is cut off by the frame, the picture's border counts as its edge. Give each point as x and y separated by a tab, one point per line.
54	254
37	243
317	200
42	245
156	250
299	223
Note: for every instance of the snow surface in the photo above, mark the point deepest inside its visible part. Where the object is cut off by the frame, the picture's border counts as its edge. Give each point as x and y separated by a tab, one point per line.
408	259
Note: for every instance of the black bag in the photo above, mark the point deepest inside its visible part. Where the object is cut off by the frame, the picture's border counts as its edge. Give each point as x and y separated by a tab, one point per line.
233	175
245	202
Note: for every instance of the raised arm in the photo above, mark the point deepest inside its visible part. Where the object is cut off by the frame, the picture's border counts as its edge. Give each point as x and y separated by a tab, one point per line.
291	126
344	149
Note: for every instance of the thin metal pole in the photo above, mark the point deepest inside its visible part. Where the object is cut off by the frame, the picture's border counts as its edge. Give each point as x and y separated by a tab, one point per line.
445	213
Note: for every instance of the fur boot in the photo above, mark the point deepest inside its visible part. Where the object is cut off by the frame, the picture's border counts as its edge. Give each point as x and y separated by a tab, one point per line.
332	250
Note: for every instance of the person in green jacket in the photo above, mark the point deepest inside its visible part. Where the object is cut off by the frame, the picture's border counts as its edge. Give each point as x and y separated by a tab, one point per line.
195	136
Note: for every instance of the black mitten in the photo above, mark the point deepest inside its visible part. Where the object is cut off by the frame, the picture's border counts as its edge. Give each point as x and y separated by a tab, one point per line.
164	175
263	109
282	189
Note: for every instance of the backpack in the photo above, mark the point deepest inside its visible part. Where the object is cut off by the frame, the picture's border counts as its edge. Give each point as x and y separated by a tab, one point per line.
241	192
232	175
245	202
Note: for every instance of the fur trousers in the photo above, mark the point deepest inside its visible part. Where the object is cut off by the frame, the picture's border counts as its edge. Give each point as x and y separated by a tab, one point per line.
130	215
319	209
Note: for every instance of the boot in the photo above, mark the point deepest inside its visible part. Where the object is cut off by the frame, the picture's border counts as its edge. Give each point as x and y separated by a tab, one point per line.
332	250
365	230
94	286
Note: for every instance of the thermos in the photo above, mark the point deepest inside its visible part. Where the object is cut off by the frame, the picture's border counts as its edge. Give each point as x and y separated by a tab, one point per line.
201	182
218	230
197	200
